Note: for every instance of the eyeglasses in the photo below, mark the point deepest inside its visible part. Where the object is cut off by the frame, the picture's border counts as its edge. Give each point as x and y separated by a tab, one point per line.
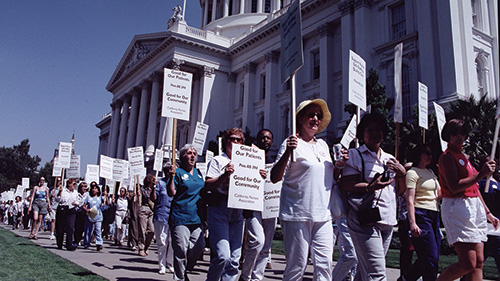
235	140
312	114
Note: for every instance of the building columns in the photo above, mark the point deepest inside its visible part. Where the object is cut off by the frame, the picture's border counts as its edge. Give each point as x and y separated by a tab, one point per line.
206	81
272	84
242	6
249	69
143	118
153	116
115	123
132	124
123	128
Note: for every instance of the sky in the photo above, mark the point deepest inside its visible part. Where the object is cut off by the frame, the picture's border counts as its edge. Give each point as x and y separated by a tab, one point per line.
56	58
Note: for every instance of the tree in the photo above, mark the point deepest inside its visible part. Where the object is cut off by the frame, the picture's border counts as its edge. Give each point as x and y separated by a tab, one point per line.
379	102
16	163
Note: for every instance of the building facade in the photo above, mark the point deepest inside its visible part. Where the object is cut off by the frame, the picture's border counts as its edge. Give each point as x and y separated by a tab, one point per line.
451	46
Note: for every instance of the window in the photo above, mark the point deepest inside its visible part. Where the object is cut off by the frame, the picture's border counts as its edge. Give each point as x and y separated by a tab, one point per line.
475	13
254	6
405	85
260	124
315	65
241	96
398	21
480	78
267	6
262	86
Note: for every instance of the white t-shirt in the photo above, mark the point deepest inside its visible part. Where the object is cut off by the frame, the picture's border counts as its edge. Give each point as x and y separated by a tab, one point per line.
216	169
121	204
387	203
307	183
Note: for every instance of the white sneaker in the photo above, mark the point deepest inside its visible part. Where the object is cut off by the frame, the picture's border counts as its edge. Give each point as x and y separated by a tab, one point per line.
162	271
52	237
170	268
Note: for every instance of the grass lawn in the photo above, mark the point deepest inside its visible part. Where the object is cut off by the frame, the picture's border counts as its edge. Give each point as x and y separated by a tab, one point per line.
22	259
392	260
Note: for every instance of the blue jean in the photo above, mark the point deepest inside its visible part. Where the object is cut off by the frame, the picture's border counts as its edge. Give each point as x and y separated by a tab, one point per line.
348	260
225	226
426	245
92	227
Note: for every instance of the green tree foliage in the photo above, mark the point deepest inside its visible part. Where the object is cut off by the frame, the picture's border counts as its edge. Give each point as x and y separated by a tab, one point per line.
46	172
480	115
16	163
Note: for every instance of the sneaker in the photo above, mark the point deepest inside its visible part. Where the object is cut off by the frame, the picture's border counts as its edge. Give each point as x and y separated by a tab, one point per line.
99	247
142	254
52	237
170	268
269	266
162	271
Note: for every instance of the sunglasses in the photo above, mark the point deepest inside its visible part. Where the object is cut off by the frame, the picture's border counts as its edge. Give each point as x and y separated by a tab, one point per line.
236	140
312	114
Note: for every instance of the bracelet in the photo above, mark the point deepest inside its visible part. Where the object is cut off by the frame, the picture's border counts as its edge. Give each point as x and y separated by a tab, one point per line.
338	167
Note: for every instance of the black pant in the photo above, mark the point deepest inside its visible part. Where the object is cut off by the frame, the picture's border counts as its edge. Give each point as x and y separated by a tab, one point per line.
65	223
79	226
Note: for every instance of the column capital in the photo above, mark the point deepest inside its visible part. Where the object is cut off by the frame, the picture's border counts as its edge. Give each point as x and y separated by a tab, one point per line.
272	57
145	84
231	77
175	64
322	30
349	6
249	68
116	103
156	76
207	71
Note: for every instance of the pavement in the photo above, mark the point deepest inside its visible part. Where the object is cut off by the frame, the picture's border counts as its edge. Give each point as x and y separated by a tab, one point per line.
121	263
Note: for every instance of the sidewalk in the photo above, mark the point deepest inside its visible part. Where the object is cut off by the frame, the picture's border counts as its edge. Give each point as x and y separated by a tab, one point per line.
120	263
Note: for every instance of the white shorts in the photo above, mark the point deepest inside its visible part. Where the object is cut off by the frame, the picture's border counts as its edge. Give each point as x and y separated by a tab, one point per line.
464	219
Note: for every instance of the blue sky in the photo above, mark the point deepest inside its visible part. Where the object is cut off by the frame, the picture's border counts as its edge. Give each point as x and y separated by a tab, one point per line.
56	58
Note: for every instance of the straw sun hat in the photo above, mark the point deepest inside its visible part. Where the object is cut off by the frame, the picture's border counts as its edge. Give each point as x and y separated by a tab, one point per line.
324	109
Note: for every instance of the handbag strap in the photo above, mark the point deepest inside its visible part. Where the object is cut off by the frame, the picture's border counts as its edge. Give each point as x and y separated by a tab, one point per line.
363	173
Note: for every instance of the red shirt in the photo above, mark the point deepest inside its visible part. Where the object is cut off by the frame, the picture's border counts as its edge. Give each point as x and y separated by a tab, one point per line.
464	170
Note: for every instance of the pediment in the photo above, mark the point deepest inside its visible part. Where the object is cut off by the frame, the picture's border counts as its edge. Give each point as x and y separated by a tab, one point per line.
141	46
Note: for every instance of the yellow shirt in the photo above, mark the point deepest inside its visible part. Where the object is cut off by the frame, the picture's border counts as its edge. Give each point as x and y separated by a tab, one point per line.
426	187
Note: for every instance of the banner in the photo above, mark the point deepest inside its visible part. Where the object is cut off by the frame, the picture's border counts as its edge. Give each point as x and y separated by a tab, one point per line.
64	155
209	155
74	167
106	167
92	174
441	120
350	133
398	93
422	106
176	94
136	159
56	168
272	192
292	56
246	186
200	135
357	80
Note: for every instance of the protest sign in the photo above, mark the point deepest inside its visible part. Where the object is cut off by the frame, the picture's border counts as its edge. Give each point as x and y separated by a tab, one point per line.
441	120
136	159
74	167
26	183
350	133
200	135
292	57
209	155
357	80
176	94
398	93
57	168
106	167
92	173
246	186
422	106
64	155
158	163
272	192
119	166
202	167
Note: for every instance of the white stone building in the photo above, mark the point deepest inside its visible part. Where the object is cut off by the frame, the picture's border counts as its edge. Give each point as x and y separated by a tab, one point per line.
449	45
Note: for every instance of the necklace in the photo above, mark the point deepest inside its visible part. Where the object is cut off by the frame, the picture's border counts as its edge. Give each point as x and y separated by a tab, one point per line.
314	149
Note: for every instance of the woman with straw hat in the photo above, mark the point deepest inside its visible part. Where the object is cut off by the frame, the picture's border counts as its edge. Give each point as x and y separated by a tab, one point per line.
305	196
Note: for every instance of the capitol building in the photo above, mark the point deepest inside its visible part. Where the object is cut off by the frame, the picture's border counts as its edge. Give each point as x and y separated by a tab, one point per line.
451	46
